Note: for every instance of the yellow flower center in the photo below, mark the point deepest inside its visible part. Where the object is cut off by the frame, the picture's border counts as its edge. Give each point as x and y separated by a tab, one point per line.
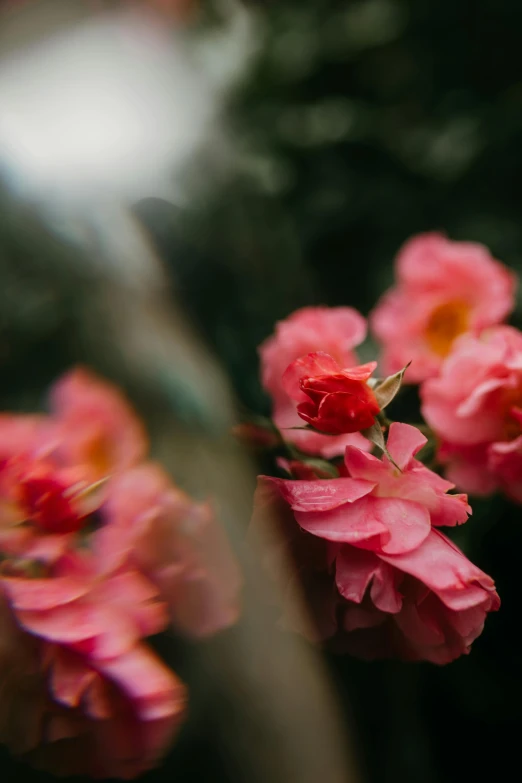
445	323
97	454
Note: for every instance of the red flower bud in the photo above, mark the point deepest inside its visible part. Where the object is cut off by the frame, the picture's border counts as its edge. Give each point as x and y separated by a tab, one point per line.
331	399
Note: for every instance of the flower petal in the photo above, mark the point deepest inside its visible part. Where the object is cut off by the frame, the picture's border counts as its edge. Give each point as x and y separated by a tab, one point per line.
321	494
361	465
313	364
360	373
404	441
44	594
442	567
350	524
354	570
408	523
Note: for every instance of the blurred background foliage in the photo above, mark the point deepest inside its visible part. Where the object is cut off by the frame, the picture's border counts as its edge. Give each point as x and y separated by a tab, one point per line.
362	122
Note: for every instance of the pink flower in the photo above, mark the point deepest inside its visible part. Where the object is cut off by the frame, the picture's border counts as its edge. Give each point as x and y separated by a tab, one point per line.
378	506
378	579
331	399
429	604
116	704
98	551
53	468
335	331
178	543
475	408
70	603
96	428
443	289
72	716
114	720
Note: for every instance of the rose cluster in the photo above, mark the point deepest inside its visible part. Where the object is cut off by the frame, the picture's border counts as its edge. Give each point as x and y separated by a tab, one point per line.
445	314
98	551
358	520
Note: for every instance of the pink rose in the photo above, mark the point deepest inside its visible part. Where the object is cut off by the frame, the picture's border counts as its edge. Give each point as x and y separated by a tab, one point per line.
331	399
98	551
475	408
443	289
429	604
378	506
68	716
53	469
112	720
96	428
110	697
378	579
73	715
70	603
334	330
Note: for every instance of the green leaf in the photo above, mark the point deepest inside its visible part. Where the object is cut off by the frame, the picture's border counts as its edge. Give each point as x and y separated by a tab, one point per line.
386	390
376	436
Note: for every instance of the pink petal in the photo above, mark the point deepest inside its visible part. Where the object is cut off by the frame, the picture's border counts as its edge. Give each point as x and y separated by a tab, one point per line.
383	524
21	433
361	465
360	373
320	495
408	523
386	524
349	524
44	594
441	566
471	405
404	441
354	569
384	592
97	427
107	632
144	677
451	510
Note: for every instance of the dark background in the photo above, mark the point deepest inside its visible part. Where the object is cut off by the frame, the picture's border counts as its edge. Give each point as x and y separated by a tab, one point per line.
362	123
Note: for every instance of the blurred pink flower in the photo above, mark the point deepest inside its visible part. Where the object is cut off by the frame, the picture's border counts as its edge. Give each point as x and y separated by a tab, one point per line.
178	543
443	289
113	701
378	580
114	720
98	550
475	408
70	603
96	428
71	715
334	330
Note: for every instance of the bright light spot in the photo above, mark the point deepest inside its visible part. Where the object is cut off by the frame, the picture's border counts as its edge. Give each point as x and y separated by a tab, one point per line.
111	109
